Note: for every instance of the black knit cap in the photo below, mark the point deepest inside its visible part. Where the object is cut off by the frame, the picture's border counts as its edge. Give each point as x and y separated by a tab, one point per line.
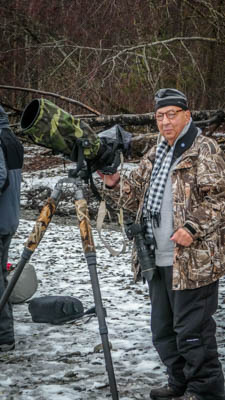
170	97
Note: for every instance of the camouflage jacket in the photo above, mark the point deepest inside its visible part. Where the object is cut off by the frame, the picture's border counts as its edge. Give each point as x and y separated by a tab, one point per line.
198	190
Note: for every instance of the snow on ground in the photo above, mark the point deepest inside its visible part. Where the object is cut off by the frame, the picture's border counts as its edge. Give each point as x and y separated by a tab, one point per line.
59	362
63	362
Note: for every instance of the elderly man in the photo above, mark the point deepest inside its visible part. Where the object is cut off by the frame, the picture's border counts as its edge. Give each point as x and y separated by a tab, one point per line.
178	192
11	161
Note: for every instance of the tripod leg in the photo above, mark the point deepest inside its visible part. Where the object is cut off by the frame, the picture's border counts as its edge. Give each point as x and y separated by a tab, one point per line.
90	254
41	225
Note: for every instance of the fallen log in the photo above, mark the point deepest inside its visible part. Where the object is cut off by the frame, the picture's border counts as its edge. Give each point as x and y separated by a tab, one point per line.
96	119
202	118
142	126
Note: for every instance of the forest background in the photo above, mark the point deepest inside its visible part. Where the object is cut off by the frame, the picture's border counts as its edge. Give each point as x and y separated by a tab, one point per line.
113	54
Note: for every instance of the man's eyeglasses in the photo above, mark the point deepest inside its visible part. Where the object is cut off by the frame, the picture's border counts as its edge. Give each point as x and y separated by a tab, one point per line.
169	114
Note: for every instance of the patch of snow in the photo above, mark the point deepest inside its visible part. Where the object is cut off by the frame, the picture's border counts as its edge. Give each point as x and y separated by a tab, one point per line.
59	362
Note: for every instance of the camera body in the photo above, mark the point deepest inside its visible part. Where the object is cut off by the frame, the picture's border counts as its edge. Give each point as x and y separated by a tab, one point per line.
145	250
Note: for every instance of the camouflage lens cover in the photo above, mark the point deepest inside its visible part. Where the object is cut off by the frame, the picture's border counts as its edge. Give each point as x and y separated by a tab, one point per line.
51	126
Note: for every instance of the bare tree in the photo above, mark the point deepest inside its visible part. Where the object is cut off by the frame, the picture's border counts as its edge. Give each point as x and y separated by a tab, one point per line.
113	55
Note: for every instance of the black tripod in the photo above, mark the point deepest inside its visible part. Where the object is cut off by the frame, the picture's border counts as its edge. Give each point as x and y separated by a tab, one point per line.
33	241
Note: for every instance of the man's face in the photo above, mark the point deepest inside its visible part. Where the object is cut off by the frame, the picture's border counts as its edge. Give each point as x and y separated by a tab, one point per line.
171	120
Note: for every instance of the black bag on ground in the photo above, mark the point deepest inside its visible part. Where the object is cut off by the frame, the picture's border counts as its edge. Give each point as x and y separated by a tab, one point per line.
56	309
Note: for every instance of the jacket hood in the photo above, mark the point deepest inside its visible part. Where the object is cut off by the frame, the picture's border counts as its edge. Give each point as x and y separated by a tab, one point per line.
4	121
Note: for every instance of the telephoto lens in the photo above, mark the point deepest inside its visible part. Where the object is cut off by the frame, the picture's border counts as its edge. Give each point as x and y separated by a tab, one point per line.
145	253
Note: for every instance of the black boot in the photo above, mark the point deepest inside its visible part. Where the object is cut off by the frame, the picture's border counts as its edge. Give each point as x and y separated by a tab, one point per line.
193	396
166	392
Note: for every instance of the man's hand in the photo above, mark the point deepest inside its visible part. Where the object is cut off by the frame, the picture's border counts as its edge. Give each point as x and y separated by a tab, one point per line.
110	180
182	237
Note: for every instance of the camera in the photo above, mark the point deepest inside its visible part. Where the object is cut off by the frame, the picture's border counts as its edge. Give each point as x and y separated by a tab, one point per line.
145	249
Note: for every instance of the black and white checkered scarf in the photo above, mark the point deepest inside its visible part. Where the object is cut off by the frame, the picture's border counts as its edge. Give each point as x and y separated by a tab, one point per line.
154	194
165	157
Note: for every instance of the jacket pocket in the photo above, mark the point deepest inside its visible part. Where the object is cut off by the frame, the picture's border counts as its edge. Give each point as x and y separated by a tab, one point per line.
219	253
201	265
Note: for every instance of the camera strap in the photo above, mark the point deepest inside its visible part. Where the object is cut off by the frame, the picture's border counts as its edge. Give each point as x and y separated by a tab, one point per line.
102	211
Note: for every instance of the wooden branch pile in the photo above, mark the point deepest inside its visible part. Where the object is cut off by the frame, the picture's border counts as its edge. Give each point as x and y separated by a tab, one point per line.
142	126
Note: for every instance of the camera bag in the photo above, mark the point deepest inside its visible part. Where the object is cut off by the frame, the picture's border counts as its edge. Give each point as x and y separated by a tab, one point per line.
56	309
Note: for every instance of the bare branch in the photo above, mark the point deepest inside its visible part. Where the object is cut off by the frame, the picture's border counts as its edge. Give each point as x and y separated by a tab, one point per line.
159	42
195	64
69	100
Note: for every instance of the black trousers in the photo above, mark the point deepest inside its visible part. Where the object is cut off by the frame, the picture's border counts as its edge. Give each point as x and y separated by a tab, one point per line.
183	332
6	316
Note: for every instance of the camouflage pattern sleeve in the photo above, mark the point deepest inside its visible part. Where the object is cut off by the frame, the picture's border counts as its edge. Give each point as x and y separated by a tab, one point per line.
130	193
204	208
